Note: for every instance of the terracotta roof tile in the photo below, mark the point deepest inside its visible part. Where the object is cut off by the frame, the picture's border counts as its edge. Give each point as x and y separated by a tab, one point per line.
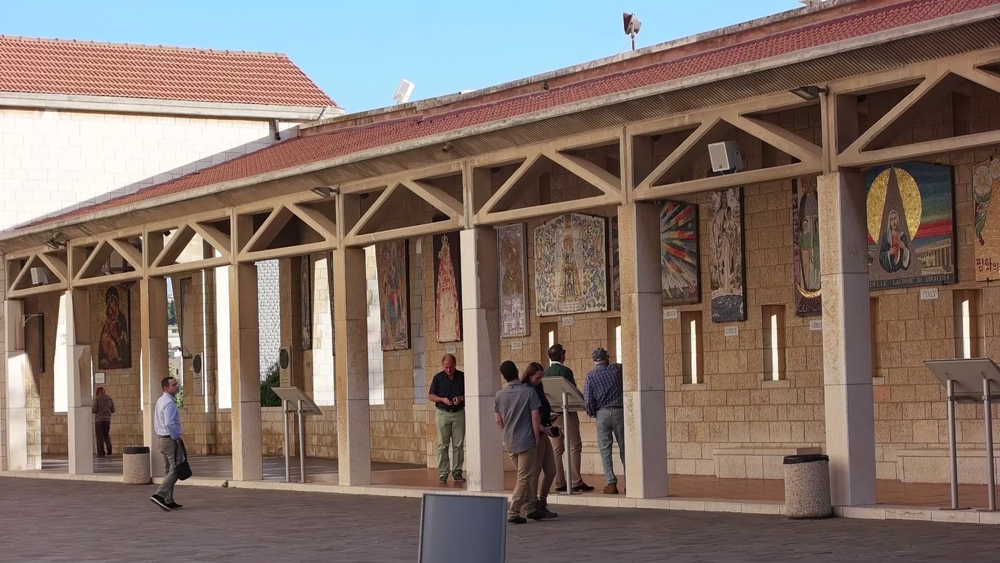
336	143
54	66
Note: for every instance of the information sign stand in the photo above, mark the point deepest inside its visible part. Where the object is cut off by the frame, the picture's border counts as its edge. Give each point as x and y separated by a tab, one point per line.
293	400
558	390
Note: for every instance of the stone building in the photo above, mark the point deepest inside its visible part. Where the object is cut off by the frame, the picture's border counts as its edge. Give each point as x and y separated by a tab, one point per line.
823	95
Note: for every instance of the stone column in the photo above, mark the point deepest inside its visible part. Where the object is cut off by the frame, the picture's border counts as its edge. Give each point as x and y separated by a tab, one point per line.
642	351
847	370
245	362
481	342
155	359
354	443
72	362
18	370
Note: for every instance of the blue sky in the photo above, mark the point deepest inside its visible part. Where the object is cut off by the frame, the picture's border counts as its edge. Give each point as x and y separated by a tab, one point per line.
358	51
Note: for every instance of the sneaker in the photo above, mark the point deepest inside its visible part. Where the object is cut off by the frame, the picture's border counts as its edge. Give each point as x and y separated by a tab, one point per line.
459	478
581	488
516	520
536	515
173	505
611	489
158	501
443	479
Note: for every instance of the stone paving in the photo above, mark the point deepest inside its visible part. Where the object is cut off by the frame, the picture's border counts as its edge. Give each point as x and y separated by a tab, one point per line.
62	521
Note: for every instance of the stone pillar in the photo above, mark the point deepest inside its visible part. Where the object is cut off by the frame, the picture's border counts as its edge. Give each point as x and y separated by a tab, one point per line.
642	351
354	443
481	342
155	359
290	282
847	370
18	370
72	361
245	361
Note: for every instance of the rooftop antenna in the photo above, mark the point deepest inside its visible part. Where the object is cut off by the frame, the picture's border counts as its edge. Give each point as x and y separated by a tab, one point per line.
810	3
632	26
403	91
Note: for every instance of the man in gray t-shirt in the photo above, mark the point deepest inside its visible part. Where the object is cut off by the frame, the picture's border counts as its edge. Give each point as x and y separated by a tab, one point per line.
516	413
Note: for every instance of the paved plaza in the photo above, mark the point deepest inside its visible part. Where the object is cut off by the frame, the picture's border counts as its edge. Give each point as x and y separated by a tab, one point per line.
111	522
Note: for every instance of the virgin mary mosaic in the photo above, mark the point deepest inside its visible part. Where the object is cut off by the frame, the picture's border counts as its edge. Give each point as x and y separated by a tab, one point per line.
571	265
115	345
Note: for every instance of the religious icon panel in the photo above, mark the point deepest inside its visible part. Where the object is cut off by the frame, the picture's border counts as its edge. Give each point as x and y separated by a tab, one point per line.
447	288
392	267
571	265
986	184
725	231
115	347
805	247
911	225
513	281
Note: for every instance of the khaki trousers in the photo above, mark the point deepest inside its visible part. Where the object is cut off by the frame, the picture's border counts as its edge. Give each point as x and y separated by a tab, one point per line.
524	491
569	429
545	468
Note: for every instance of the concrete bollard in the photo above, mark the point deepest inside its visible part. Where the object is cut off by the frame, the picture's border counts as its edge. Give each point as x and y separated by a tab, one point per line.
807	486
135	465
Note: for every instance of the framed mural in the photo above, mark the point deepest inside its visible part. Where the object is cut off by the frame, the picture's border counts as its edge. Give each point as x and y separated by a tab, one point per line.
115	348
305	300
513	281
447	288
392	263
805	247
725	231
679	265
614	271
986	183
571	265
911	225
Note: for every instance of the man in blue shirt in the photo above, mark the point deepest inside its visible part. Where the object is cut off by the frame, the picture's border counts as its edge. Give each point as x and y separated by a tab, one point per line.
167	425
602	397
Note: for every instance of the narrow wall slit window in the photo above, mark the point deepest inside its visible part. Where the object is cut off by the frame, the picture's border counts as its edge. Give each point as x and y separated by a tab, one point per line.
968	323
691	349
615	339
549	335
774	342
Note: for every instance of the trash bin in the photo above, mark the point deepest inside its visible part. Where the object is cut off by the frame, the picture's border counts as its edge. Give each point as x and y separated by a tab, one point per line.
135	465
807	486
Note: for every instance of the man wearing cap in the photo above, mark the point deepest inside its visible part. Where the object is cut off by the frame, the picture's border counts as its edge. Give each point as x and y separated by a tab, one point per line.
569	428
602	397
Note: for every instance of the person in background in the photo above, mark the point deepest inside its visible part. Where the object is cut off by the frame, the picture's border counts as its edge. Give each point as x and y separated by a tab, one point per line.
602	396
167	424
569	429
447	392
545	463
103	407
515	410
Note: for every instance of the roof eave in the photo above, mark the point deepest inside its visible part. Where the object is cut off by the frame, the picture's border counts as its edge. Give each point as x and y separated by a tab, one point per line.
939	24
149	106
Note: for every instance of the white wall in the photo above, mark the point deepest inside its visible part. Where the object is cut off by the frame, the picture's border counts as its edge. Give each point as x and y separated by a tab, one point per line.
52	160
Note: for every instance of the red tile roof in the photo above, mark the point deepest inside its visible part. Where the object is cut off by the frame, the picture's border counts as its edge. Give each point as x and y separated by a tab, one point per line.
340	142
54	66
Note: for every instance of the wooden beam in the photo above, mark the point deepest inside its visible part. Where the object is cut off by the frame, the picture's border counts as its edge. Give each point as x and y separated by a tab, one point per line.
587	171
436	197
363	221
779	138
978	76
680	152
317	221
917	150
24	270
56	265
915	96
772	174
175	246
404	232
285	251
131	254
192	266
37	290
215	237
97	258
546	209
111	278
507	186
267	232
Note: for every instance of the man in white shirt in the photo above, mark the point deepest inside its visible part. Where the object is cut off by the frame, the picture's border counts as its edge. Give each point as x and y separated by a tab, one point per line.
167	424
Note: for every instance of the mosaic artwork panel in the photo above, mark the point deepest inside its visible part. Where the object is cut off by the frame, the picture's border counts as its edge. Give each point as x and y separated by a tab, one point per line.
805	248
513	266
114	349
447	288
679	262
725	231
571	265
392	263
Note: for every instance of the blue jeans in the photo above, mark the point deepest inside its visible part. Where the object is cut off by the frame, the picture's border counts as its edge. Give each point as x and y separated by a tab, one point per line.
610	423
